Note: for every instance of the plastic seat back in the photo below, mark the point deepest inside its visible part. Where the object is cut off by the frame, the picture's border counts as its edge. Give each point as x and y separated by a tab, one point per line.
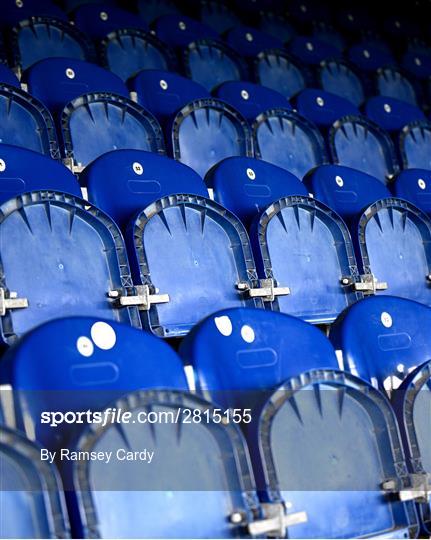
94	124
7	76
179	30
289	239
395	247
251	99
246	186
275	69
124	182
369	57
127	51
288	140
217	15
150	10
26	122
360	144
392	83
415	144
312	51
32	501
39	38
414	185
14	12
62	257
339	78
210	63
23	170
176	478
165	93
208	130
323	108
194	251
249	42
417	63
276	25
56	81
392	114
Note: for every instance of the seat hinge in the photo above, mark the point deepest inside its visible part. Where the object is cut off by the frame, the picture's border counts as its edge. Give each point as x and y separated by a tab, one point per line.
70	164
273	524
419	488
367	285
11	302
267	290
142	300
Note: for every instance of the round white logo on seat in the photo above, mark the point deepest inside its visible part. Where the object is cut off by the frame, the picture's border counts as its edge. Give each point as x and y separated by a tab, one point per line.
224	325
163	84
320	101
251	174
421	183
418	61
182	25
387	108
309	46
340	181
104	16
137	168
249	37
244	94
2	165
70	74
103	335
19	3
386	319
85	346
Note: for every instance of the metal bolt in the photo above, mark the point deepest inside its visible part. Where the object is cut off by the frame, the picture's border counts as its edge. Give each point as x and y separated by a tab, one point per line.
251	174
345	281
421	183
340	181
70	74
244	94
163	84
137	168
236	518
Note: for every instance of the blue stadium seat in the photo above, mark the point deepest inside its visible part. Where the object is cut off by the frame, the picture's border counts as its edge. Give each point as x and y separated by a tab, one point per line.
32	501
13	11
246	186
307	11
94	124
124	182
23	170
275	69
288	140
415	145
196	252
360	144
289	239
39	37
276	25
346	191
305	415
218	16
26	122
392	114
57	81
165	93
83	363
327	33
337	77
205	462
127	51
353	19
210	63
414	185
98	20
251	99
178	31
7	76
150	10
395	247
391	82
311	51
323	108
62	258
71	5
249	42
369	56
206	131
417	63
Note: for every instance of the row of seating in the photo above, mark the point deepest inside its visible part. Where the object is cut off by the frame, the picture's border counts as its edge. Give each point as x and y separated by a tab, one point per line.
319	438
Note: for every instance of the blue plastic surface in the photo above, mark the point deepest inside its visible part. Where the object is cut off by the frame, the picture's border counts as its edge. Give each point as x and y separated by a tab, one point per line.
124	182
98	20
338	77
32	504
56	81
415	144
312	51
275	69
26	122
417	63
395	246
94	124
40	37
204	463
128	51
218	16
195	251
251	99
150	10
346	191
327	33
13	12
24	170
207	131
323	108
246	186
164	93
360	144
288	140
84	363
276	25
210	63
369	57
392	83
7	76
414	185
70	256
288	241
392	114
179	30
249	42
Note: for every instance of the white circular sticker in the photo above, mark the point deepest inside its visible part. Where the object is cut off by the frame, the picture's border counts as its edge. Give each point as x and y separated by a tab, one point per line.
310	46
320	101
421	183
163	85
386	319
103	335
366	53
244	94
340	181
182	25
387	108
251	174
103	15
247	333
85	346
2	165
70	74
137	168
249	37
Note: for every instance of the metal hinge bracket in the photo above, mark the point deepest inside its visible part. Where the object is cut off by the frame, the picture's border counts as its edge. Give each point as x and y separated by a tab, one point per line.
142	300
267	290
11	302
